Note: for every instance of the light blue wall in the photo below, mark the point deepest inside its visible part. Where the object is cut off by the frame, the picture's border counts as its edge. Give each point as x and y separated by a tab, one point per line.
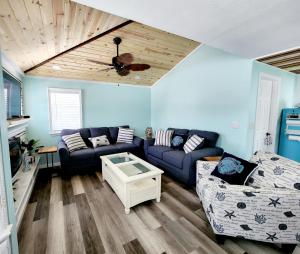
211	89
103	105
208	91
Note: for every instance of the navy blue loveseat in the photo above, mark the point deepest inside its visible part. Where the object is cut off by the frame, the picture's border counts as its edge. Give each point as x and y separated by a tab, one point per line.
177	163
89	159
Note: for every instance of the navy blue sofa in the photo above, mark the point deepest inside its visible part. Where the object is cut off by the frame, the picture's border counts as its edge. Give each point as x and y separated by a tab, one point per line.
89	159
177	163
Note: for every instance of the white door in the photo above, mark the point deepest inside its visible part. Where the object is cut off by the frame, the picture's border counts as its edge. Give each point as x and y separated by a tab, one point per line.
4	228
266	113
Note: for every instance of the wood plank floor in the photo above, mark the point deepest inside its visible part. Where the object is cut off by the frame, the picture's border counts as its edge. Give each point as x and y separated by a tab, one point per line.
81	214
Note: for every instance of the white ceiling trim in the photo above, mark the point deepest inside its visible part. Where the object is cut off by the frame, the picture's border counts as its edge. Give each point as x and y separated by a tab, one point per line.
88	82
247	28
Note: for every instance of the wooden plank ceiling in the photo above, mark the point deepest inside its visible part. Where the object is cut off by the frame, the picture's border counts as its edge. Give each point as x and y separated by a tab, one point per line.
32	31
289	60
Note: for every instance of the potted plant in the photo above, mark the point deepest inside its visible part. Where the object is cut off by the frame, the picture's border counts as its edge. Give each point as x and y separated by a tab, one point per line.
31	145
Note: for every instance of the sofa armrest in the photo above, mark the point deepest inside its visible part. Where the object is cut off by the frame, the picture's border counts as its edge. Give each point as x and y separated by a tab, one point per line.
259	210
189	161
138	141
191	158
147	143
206	167
63	152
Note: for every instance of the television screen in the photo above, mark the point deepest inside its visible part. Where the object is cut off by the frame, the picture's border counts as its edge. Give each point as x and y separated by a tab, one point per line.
15	153
12	96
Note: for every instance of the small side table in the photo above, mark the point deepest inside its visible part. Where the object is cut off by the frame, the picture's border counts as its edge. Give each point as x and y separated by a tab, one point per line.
212	158
46	150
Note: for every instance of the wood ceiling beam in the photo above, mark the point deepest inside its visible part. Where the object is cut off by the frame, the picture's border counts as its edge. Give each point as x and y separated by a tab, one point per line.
81	44
287	53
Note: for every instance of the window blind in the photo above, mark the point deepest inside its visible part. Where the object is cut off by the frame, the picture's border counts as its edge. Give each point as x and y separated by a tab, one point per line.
64	109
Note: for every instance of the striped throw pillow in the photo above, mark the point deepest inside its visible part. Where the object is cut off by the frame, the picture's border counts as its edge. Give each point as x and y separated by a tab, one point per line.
125	135
163	138
192	143
74	142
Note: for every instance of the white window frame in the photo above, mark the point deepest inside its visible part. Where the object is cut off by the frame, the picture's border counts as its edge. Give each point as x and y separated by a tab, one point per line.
67	91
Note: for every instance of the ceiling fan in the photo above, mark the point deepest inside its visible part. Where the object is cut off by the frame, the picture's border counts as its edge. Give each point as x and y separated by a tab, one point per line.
122	63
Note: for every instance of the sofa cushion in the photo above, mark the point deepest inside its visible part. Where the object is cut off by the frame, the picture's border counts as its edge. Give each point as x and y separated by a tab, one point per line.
84	133
210	137
126	147
113	131
84	154
100	131
158	151
174	157
104	150
179	131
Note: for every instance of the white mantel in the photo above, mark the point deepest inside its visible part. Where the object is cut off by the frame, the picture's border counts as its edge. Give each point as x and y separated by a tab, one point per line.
15	127
23	180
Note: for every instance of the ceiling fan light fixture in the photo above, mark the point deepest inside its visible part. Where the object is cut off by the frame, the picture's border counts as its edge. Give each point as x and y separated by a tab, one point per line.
123	63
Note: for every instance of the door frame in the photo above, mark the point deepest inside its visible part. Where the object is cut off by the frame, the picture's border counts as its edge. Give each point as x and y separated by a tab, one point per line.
274	115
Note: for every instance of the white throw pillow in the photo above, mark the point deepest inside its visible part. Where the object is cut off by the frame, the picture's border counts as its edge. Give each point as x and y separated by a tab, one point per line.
74	142
125	135
163	138
192	143
100	141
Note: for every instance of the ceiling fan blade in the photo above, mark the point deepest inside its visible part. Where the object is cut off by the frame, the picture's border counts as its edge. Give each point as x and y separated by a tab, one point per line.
138	67
125	58
107	69
99	62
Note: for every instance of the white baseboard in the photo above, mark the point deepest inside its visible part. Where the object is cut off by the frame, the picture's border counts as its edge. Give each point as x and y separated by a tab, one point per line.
44	165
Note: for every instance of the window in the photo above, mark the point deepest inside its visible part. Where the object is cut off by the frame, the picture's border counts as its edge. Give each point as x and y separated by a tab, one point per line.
64	109
6	99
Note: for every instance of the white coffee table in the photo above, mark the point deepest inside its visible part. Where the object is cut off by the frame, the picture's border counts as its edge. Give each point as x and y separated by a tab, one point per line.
133	179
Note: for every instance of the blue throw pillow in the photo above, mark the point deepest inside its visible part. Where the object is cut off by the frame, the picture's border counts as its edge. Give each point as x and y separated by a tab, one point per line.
233	170
178	141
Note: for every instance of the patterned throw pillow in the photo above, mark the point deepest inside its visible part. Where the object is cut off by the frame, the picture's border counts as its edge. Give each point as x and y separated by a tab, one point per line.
74	142
234	170
163	138
125	135
192	143
178	141
99	141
